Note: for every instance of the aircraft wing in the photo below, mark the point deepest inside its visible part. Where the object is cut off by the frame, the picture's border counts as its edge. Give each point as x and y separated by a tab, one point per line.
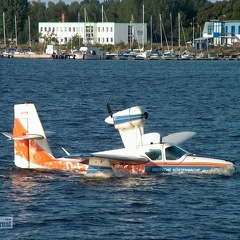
128	159
178	138
76	157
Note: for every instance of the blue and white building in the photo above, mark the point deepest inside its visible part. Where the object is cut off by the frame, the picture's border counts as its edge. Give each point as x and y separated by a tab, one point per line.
220	33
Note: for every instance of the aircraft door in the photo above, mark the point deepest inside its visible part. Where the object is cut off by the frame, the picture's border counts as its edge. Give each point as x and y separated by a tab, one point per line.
172	153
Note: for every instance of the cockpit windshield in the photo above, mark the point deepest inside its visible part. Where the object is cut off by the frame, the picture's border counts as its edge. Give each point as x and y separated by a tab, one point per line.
174	153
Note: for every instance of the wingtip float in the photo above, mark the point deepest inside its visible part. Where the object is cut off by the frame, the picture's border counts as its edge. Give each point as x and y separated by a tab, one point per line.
142	153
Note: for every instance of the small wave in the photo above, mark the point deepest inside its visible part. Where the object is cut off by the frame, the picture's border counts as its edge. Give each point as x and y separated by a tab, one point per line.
221	171
100	175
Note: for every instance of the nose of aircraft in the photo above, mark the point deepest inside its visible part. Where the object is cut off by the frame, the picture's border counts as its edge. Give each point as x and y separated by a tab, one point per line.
231	166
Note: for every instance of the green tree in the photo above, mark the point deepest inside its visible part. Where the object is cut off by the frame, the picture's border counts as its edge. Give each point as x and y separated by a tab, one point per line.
37	14
54	11
12	8
111	10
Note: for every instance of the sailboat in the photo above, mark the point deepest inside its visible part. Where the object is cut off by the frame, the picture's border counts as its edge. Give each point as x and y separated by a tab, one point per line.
86	52
169	54
186	55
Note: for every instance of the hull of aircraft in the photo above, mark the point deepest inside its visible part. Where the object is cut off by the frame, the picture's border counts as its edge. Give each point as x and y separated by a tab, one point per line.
143	153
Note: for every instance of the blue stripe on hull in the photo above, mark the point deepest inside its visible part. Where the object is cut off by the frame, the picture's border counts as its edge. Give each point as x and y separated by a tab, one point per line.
98	169
175	169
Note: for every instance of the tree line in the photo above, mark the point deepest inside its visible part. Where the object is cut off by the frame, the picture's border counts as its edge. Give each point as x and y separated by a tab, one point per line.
22	15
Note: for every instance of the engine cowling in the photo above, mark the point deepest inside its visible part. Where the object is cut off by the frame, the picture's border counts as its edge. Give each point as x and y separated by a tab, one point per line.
129	118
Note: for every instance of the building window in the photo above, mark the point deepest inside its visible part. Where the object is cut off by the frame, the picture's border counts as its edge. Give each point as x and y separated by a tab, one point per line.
238	29
111	29
232	29
45	29
102	29
111	40
61	29
65	40
107	40
69	29
210	30
226	29
53	29
73	29
65	29
98	29
49	29
106	29
41	29
99	40
217	27
130	33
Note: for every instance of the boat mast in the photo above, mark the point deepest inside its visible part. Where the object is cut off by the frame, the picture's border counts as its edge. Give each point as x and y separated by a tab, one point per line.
151	33
143	32
4	31
171	30
85	20
102	13
179	31
193	31
16	30
30	44
79	29
160	23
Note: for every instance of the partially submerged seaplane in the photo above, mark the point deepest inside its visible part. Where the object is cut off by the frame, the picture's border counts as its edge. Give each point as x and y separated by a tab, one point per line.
142	153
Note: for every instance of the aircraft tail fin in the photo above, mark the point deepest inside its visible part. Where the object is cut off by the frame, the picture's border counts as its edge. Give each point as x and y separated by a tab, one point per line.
31	149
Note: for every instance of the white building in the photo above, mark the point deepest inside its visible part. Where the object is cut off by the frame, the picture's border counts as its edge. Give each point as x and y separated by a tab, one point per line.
94	33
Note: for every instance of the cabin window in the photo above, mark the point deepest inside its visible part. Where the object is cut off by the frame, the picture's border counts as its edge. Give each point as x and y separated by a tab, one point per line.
154	154
174	153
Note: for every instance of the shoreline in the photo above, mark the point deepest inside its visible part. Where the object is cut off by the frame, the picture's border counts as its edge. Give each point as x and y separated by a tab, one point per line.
48	56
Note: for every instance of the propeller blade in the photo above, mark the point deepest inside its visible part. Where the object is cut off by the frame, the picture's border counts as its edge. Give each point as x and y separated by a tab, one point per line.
110	112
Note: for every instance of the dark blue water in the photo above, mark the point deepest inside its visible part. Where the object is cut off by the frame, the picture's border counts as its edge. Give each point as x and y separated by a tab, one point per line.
201	96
